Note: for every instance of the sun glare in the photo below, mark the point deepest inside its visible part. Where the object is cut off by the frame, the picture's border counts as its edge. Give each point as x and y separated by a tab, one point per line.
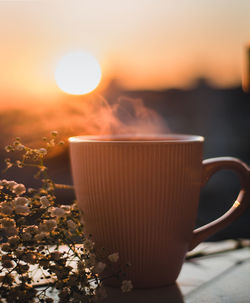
78	73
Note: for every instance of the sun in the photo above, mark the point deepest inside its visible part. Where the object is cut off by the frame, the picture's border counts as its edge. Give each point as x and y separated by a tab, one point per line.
78	73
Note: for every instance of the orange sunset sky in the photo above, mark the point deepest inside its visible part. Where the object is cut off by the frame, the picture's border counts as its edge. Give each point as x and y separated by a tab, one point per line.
145	44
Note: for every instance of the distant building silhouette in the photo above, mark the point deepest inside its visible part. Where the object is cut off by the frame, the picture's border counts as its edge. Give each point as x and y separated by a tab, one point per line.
246	78
202	83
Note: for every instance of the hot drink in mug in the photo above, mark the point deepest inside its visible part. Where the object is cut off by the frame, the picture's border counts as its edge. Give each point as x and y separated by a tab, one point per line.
140	197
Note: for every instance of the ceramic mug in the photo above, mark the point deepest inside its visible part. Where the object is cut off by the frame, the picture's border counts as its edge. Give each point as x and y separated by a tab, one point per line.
140	195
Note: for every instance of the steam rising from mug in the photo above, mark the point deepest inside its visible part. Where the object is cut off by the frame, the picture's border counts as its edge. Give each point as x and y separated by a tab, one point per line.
88	115
127	116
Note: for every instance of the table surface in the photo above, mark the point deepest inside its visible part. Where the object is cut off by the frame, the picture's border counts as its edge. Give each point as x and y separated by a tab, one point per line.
216	272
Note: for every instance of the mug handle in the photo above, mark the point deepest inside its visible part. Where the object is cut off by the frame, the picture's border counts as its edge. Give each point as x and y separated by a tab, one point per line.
210	166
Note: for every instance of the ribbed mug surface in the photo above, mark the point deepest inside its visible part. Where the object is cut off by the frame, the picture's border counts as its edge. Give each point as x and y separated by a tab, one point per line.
140	199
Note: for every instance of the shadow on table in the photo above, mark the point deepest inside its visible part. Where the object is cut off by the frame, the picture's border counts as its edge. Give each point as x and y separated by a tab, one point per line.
160	295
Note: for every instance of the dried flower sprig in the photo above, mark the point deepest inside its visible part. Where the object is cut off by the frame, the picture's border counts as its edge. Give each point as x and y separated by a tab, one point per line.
42	243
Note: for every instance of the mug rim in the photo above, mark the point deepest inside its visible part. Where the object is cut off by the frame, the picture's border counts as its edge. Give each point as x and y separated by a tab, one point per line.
138	138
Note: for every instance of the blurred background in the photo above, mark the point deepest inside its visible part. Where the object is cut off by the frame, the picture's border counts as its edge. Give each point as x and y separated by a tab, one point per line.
187	61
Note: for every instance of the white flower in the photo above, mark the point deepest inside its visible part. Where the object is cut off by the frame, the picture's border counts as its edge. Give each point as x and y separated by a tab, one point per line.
56	211
8	148
3	183
13	240
7	264
47	225
18	189
6	257
51	143
21	201
5	247
82	220
44	201
7	222
26	236
6	208
31	190
113	257
99	267
54	133
66	208
88	244
51	223
11	184
22	210
71	225
43	151
41	236
19	147
33	229
19	251
11	231
126	286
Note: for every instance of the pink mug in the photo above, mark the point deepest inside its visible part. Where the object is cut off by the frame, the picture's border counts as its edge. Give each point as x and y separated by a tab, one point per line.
140	194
